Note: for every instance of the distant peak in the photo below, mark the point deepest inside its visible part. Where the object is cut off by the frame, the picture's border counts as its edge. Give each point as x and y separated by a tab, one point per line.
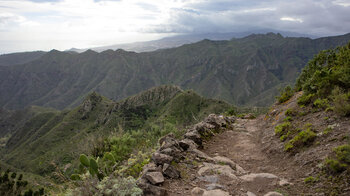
90	52
54	50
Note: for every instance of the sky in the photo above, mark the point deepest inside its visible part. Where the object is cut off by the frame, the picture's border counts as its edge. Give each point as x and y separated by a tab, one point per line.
27	25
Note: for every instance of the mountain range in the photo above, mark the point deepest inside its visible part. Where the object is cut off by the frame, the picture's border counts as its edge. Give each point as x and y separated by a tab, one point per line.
242	71
179	40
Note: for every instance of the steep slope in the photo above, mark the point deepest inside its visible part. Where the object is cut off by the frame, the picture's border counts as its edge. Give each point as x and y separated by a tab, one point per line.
59	137
19	58
12	120
241	71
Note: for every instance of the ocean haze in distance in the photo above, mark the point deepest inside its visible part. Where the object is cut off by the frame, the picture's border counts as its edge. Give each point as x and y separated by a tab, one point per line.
30	25
179	40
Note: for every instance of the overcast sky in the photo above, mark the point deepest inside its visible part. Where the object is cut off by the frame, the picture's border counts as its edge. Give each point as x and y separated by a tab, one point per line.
62	24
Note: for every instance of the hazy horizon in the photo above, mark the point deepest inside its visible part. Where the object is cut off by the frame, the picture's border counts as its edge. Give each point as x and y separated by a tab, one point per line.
30	25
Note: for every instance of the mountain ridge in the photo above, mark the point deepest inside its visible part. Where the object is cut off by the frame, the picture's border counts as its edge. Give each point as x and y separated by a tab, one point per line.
249	67
59	136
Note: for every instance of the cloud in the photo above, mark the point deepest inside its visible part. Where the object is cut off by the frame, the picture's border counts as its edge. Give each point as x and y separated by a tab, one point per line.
319	17
63	24
291	19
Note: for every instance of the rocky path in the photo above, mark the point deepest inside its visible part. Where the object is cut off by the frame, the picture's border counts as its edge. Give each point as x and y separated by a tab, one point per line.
235	165
233	161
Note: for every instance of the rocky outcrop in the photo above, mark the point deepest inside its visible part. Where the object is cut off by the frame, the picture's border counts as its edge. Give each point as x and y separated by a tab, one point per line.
172	151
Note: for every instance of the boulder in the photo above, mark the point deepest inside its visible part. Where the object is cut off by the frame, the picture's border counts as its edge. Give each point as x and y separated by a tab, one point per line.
174	152
194	136
254	176
169	141
186	144
204	129
162	139
226	161
202	192
250	194
230	119
273	194
284	182
249	116
160	158
149	189
170	171
219	169
202	155
197	191
154	177
150	167
217	192
217	121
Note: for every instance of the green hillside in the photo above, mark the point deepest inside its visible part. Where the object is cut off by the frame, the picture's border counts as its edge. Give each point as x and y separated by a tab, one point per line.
54	137
245	71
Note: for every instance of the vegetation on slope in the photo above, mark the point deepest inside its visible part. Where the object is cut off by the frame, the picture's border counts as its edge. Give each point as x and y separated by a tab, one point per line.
245	71
324	102
50	143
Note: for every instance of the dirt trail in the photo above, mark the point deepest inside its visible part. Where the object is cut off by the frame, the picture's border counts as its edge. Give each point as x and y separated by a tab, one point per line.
256	173
241	145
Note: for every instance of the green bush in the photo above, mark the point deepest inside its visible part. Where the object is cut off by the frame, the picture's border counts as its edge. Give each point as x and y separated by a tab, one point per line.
310	180
342	103
321	103
290	112
231	111
285	94
288	119
343	153
334	166
305	99
327	71
301	139
111	185
283	128
341	162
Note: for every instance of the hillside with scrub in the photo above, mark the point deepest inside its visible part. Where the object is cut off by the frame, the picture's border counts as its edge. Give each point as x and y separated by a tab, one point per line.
169	141
300	147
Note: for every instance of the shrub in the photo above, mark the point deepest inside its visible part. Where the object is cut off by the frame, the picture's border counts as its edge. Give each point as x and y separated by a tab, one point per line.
285	95
231	111
288	119
321	103
341	161
283	128
327	130
290	112
301	139
111	185
342	104
334	166
283	138
343	153
305	99
326	72
310	180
